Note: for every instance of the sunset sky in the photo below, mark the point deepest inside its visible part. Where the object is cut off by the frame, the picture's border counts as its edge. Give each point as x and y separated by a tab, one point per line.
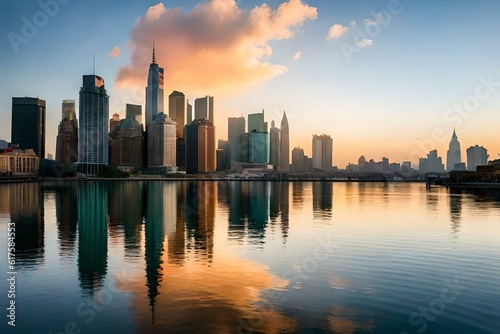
383	78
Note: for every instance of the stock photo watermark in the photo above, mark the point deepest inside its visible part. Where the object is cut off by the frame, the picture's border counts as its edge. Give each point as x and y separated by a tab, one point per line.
11	274
372	27
323	251
31	25
455	115
436	307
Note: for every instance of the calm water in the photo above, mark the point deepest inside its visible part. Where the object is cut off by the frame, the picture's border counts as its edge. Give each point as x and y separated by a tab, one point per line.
231	257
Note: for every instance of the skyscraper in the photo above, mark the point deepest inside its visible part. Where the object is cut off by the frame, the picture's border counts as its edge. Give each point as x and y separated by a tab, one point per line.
274	146
67	135
189	112
476	156
154	91
28	124
200	147
204	108
256	122
322	148
235	128
285	145
93	131
454	155
176	110
162	142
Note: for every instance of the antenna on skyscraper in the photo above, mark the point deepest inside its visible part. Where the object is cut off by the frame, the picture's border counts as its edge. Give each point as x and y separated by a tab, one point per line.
154	58
93	66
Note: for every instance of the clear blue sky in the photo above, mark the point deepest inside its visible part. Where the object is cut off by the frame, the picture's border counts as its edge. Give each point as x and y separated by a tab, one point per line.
386	99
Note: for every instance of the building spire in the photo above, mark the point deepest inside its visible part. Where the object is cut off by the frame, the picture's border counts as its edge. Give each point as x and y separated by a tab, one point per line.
154	57
454	136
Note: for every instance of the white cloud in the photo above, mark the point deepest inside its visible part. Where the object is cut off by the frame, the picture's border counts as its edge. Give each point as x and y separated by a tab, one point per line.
369	22
115	53
336	31
297	56
365	42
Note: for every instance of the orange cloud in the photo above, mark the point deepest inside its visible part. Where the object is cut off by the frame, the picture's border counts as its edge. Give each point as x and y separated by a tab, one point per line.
115	52
217	47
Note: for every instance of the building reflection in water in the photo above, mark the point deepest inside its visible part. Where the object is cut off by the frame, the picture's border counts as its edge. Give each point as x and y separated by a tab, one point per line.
67	217
26	209
201	198
126	212
252	205
455	196
298	194
177	238
322	200
92	235
155	235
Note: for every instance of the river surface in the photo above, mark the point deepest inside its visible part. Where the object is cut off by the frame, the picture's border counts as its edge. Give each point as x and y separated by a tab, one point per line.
249	257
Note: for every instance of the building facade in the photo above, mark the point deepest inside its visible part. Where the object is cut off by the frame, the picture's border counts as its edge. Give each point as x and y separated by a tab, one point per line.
19	162
476	156
235	128
176	111
162	142
204	108
322	151
275	146
93	127
28	124
200	147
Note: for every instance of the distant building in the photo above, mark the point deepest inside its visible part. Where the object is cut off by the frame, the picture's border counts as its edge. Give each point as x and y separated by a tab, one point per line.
189	112
431	164
454	155
67	135
298	160
406	165
235	128
93	129
476	156
19	162
222	154
200	146
134	110
204	108
285	145
176	111
275	146
322	149
154	91
28	124
162	142
256	122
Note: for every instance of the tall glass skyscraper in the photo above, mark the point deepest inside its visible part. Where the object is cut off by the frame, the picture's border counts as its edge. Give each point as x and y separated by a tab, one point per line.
28	124
93	131
285	145
154	91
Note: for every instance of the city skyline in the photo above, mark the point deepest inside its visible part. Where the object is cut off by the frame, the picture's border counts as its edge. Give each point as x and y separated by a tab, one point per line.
366	104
